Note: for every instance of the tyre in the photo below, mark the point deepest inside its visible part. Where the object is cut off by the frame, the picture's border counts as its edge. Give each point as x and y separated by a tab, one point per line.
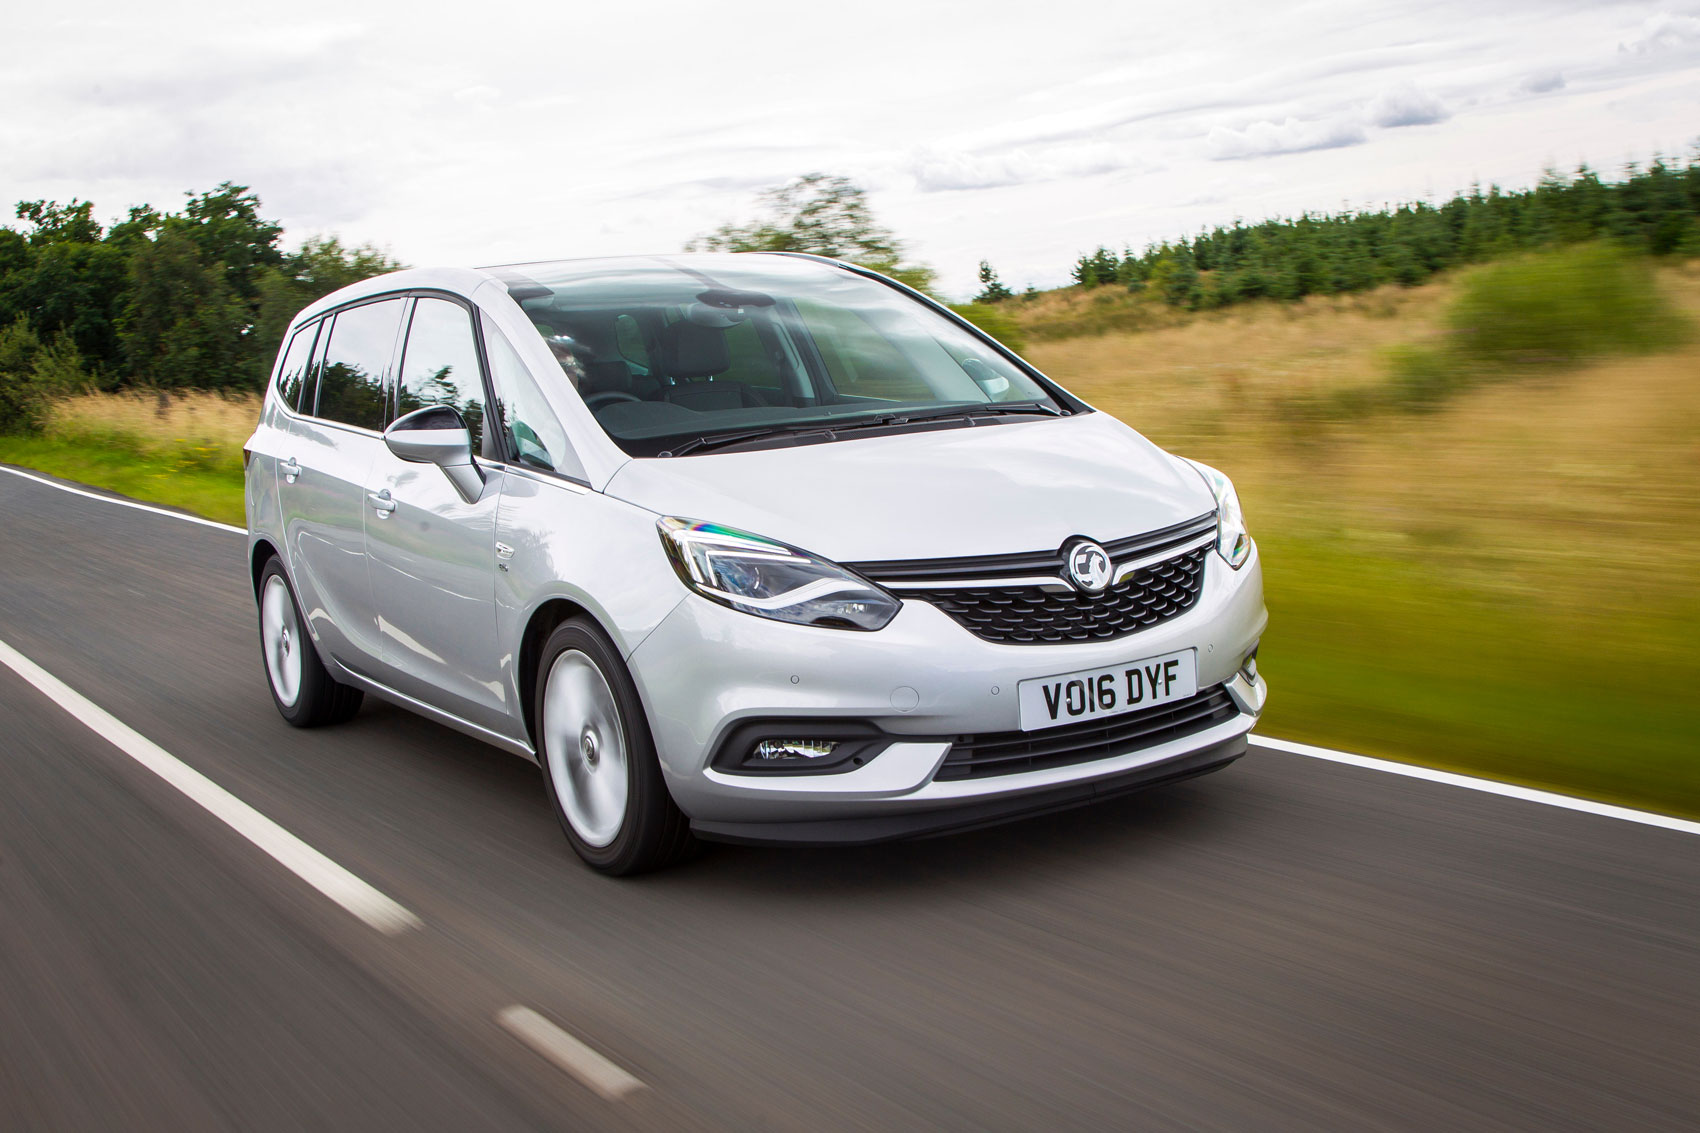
599	761
305	693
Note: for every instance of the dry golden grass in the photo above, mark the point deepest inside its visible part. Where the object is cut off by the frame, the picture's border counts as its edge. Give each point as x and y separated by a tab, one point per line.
1203	372
1581	487
161	419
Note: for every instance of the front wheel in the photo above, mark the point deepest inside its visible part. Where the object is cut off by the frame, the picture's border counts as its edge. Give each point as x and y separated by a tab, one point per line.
305	693
598	758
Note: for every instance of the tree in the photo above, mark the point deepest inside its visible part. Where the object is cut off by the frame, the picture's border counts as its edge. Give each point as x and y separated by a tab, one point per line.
321	266
184	326
992	289
823	215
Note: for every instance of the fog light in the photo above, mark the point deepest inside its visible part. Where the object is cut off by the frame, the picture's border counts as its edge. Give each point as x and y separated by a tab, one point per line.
794	749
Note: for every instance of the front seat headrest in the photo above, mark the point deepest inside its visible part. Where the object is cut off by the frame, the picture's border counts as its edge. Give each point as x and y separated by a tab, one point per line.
692	351
607	377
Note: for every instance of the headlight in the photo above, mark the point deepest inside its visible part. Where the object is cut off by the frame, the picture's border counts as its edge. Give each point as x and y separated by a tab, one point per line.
772	580
1232	539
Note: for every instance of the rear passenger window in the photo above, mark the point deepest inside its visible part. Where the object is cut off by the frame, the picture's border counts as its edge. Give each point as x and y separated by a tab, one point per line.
440	365
351	379
292	373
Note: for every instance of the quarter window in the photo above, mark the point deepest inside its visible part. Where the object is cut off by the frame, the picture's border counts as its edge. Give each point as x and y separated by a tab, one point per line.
356	364
534	436
440	365
292	372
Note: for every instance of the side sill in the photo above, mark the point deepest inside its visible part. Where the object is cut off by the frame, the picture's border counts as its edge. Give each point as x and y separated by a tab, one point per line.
433	713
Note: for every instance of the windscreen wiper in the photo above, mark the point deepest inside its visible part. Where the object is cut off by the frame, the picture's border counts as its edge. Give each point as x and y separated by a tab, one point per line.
1049	409
880	421
720	440
971	409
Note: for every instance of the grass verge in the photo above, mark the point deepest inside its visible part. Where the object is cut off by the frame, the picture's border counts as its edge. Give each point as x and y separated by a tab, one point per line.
183	451
215	494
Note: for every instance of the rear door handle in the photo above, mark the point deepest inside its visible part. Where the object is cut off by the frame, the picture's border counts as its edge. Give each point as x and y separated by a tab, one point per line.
291	470
381	503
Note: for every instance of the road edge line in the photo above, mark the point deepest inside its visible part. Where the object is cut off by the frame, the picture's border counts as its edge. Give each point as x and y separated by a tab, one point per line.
125	503
1487	786
355	895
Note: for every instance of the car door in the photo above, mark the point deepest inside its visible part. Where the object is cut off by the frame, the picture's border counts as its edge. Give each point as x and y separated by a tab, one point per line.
322	474
431	551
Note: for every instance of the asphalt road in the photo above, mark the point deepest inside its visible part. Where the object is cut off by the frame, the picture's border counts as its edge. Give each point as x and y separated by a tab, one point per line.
1287	944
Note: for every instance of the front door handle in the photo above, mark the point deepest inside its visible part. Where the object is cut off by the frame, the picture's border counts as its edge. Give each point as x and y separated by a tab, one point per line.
291	470
381	503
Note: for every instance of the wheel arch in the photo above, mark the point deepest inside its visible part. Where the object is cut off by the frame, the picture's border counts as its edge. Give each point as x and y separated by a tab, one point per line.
258	555
543	622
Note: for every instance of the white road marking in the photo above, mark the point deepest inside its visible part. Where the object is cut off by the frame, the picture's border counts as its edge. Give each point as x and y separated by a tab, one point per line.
1488	786
568	1052
125	503
335	882
1409	770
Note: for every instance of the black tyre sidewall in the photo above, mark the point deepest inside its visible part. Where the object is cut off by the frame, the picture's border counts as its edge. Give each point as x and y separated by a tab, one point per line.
321	700
653	832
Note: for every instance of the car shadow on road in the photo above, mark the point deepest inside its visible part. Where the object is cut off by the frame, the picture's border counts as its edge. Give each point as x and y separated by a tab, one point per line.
469	782
1159	821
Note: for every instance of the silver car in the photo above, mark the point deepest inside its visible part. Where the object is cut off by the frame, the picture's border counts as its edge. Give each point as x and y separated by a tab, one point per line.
753	548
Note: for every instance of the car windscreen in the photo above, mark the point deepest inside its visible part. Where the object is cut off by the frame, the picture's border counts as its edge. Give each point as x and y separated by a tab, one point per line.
668	351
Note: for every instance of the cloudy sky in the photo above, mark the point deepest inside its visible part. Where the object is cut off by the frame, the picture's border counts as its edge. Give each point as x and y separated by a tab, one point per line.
1024	132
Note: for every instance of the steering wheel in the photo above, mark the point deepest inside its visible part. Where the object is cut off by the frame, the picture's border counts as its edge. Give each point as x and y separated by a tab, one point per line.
608	397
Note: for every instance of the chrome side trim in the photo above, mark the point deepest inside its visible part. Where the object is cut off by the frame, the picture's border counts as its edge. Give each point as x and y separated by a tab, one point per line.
537	476
431	712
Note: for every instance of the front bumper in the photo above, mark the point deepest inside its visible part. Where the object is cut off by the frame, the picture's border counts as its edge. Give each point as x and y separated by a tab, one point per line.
706	668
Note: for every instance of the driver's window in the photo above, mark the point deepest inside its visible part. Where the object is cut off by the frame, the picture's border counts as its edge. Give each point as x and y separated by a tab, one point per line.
440	365
535	437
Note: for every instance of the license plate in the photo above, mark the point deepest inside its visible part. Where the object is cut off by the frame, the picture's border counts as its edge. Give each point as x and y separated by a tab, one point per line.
1072	697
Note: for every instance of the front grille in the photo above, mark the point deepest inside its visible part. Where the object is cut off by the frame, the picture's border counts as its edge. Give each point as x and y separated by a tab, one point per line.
1005	753
1032	615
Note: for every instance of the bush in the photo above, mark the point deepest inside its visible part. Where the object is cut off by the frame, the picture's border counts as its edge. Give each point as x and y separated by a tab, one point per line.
1561	308
32	375
1422	377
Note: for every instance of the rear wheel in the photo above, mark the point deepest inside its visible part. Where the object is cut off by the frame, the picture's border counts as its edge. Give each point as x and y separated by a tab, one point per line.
305	693
598	758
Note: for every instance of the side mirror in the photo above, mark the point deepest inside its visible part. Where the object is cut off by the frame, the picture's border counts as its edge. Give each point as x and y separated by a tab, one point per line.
994	385
437	435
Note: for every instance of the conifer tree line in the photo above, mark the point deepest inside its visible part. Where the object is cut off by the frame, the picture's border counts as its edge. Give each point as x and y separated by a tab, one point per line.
1655	209
194	299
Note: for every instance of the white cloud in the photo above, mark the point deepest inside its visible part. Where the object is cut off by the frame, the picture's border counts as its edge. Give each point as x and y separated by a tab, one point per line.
938	171
1292	135
1405	105
1663	31
1543	82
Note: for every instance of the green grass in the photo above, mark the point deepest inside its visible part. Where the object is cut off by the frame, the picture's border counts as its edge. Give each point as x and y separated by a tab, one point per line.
1379	655
196	478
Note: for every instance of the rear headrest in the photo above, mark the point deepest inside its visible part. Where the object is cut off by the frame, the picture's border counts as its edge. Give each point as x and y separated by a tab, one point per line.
606	377
692	351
